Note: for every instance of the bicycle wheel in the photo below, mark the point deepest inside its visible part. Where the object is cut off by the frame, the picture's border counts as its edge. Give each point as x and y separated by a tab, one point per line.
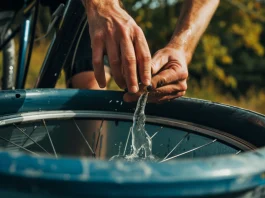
55	124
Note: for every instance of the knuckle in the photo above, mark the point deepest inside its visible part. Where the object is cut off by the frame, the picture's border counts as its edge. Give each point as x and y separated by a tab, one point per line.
115	62
130	61
97	62
98	36
175	69
109	29
124	31
184	75
183	86
146	59
138	30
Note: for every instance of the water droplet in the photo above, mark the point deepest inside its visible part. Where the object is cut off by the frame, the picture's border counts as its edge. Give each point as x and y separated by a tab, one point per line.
119	153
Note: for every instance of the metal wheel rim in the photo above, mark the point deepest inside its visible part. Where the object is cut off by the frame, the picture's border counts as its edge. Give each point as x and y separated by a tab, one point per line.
31	116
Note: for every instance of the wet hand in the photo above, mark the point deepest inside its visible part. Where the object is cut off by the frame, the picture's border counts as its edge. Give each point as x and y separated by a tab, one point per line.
170	73
115	33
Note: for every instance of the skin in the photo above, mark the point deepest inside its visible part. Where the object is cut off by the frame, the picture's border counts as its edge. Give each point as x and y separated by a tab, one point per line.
87	80
170	64
115	33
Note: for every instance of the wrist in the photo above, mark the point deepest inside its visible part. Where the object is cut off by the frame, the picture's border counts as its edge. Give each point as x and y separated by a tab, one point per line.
96	6
179	46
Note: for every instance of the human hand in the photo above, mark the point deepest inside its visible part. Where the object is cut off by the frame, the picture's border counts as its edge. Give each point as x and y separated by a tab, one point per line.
170	73
115	33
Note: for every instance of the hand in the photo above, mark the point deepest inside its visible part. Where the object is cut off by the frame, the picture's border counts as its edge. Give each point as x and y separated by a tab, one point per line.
115	33
170	73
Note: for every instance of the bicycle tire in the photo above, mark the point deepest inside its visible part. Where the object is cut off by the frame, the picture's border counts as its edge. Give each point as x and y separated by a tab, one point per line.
204	177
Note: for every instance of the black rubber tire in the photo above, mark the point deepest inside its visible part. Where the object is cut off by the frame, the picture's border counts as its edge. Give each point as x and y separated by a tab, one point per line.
243	124
237	176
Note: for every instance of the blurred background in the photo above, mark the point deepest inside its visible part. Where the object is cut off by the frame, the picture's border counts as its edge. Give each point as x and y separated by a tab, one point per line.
228	65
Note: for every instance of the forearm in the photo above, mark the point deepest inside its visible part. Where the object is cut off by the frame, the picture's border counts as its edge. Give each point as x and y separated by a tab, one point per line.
194	18
94	6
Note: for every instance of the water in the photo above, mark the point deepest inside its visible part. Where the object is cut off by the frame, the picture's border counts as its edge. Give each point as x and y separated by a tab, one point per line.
141	141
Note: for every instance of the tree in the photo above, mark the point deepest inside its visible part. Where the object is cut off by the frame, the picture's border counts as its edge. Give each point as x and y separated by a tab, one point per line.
230	53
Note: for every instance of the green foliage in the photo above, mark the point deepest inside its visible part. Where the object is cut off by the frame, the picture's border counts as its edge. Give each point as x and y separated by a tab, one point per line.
231	52
229	63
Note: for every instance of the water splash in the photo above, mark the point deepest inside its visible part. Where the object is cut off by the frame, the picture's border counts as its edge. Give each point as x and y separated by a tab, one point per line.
141	141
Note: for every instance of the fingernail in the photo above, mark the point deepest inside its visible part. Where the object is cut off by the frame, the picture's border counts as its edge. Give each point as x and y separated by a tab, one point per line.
149	88
134	89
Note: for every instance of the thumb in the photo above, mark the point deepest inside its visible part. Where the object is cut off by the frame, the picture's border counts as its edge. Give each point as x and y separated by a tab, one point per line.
158	61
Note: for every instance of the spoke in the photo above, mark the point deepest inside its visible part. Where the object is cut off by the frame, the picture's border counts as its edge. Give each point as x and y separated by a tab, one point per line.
31	138
238	152
155	133
125	148
93	153
99	133
50	138
100	147
176	146
188	151
18	146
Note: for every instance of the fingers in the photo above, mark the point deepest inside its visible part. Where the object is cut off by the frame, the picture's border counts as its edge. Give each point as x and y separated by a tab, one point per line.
143	57
129	64
158	62
113	52
169	90
167	84
166	58
170	75
163	93
128	97
153	97
97	56
166	98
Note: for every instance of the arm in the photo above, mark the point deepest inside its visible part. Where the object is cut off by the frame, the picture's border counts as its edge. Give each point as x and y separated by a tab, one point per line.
194	18
169	65
115	33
